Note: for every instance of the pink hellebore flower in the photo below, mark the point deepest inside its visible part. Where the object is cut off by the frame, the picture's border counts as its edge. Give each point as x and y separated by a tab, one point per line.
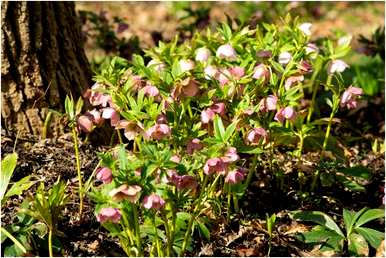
97	98
175	159
237	72
230	155
235	176
157	65
311	48
268	103
186	65
284	58
96	116
215	165
153	201
162	119
261	72
125	192
112	114
104	174
285	113
132	129
349	97
202	54
158	131
210	72
256	135
218	108
109	214
190	87
85	123
305	67
193	145
223	76
337	66
207	115
306	28
122	26
150	90
264	53
226	52
293	80
181	182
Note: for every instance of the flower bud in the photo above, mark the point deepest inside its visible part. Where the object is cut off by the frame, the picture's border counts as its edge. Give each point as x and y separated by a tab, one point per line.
157	65
285	58
305	67
150	90
207	115
85	123
230	155
112	114
153	201
337	66
104	174
293	80
210	72
202	54
261	72
109	214
285	113
186	65
226	52
237	72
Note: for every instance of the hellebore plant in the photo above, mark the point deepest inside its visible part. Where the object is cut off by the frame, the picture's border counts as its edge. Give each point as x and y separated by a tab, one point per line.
196	120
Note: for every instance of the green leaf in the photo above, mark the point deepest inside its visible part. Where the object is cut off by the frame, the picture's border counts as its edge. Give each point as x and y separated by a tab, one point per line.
219	130
358	171
370	215
348	217
318	234
319	218
357	245
8	165
19	187
374	237
204	230
230	130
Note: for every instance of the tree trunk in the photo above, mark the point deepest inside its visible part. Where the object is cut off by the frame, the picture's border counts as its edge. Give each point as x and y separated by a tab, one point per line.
43	60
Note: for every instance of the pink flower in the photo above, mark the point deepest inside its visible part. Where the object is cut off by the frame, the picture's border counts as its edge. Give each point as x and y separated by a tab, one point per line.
285	58
112	114
268	104
306	28
202	54
104	174
256	135
264	53
285	113
85	123
349	97
150	90
181	182
153	201
207	115
175	158
132	129
210	72
226	52
109	214
186	65
261	72
293	80
162	119
97	98
311	49
218	108
337	66
158	131
122	26
237	72
96	116
224	76
305	67
235	176
157	65
125	192
193	145
190	87
230	155
215	165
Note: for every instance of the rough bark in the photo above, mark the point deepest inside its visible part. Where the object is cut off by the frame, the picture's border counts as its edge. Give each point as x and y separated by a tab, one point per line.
43	60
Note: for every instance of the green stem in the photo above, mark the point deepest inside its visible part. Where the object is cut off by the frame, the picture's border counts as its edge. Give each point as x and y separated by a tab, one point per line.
50	243
137	232
159	251
47	122
168	235
328	130
14	240
76	147
119	137
314	91
228	205
236	203
128	232
250	173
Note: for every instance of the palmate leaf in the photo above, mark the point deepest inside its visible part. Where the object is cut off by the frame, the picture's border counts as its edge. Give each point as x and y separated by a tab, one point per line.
357	245
8	165
372	236
319	218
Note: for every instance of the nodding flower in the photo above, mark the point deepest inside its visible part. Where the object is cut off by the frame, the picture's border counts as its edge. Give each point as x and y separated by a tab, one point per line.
237	72
125	192
150	90
112	114
285	113
97	98
181	182
193	145
285	58
226	52
211	72
257	134
202	54
153	201
207	115
96	116
268	104
85	123
311	48
337	66
261	72
230	155
235	176
186	65
158	131
306	28
305	67
349	97
109	214
132	129
105	175
157	65
213	165
293	80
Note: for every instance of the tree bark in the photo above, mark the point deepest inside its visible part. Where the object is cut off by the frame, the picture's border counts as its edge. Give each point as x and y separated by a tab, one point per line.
43	60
